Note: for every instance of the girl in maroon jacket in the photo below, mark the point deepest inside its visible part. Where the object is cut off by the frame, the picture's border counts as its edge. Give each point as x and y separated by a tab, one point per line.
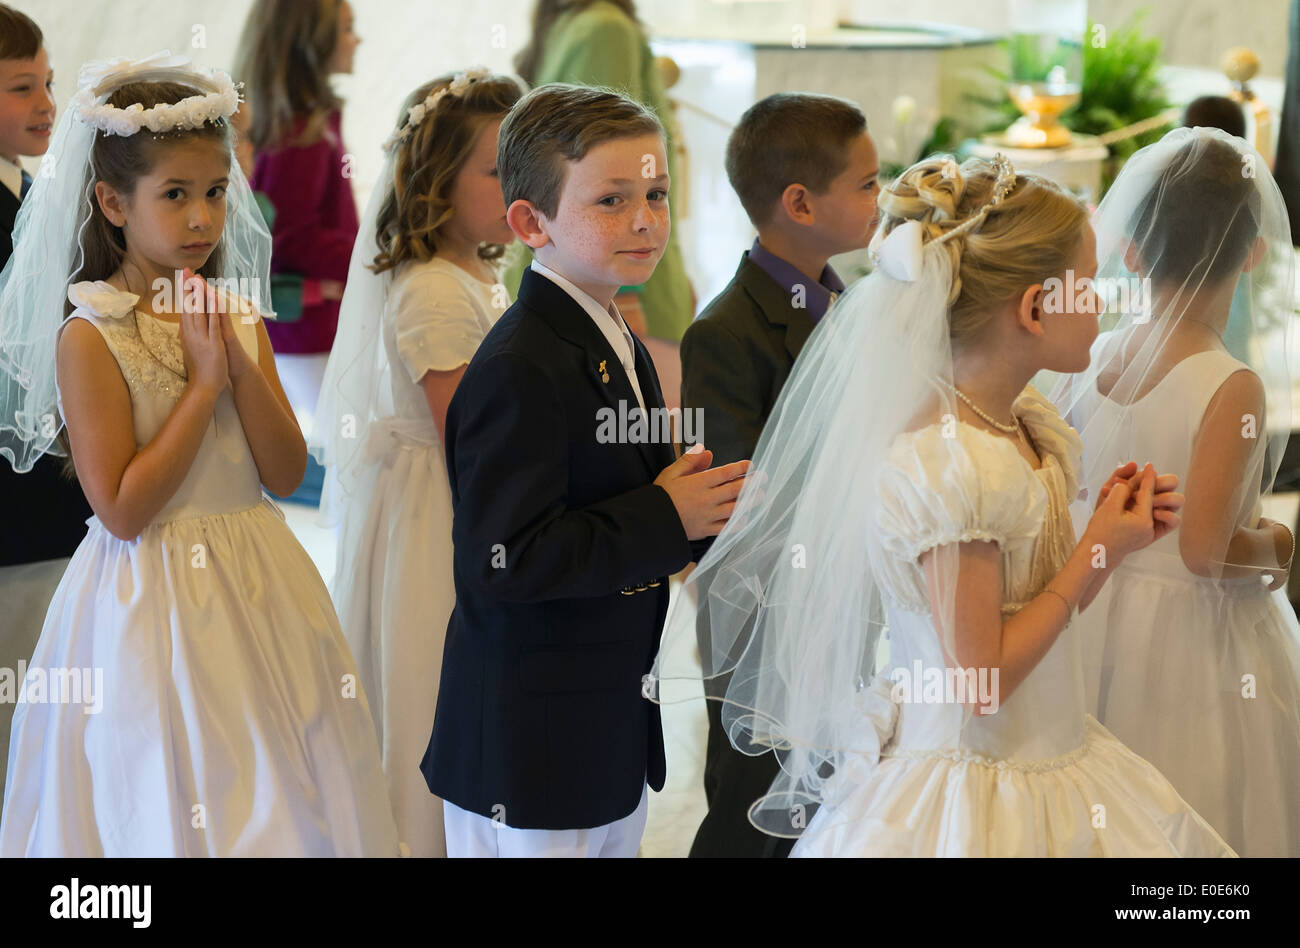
288	51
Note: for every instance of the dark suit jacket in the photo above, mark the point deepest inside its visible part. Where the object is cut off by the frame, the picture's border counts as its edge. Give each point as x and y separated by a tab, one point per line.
563	548
44	513
737	356
735	359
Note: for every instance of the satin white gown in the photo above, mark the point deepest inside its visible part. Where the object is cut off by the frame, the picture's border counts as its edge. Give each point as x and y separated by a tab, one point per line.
227	720
393	581
1040	777
1170	652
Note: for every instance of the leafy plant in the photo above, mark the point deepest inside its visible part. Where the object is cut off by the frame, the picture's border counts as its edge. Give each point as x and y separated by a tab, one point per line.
1121	86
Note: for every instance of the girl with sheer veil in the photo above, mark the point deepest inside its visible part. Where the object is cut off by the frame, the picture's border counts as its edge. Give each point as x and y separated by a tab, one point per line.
1194	651
911	480
421	294
213	708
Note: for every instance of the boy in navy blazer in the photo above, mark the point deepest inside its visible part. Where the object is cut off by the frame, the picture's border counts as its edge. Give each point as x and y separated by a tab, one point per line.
565	537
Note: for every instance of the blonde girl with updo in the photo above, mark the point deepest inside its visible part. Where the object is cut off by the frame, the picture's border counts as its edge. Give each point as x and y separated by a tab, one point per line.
923	487
422	293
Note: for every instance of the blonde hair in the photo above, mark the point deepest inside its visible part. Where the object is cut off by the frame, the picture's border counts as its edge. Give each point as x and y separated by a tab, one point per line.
1030	235
425	165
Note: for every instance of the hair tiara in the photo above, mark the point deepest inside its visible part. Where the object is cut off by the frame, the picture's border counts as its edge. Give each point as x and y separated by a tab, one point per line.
421	110
98	80
899	253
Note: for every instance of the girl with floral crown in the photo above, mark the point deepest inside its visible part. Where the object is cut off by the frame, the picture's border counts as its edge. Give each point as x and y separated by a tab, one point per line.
217	712
421	295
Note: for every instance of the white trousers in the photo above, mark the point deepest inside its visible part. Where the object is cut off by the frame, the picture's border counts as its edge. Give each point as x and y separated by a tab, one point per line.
475	836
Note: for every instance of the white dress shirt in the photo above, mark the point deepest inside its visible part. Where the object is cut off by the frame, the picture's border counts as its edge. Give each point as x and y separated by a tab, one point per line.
609	322
11	176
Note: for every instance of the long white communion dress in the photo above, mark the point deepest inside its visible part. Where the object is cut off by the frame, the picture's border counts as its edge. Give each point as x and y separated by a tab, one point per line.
1040	777
1201	676
393	584
222	715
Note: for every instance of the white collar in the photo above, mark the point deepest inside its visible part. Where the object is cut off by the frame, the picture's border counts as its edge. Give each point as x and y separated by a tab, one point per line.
584	299
11	176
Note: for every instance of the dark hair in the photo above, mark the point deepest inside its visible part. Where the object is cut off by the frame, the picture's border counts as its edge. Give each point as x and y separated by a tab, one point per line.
120	161
556	123
283	60
427	163
1203	208
1216	111
786	138
544	16
20	37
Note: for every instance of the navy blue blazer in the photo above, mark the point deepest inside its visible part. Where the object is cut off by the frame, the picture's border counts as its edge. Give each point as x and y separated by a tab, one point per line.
563	548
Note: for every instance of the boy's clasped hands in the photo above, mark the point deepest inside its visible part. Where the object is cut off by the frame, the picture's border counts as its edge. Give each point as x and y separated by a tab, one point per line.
704	497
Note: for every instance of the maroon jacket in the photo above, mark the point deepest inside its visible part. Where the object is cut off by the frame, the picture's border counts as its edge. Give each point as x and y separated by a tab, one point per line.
314	230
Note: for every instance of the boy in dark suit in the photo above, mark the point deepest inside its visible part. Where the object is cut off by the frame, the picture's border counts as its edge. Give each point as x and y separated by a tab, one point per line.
565	536
805	171
43	513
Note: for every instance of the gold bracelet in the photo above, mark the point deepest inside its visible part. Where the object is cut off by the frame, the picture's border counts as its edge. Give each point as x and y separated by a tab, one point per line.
1292	536
1069	609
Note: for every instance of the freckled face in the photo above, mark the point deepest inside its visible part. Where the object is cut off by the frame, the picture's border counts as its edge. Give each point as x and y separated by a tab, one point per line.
612	224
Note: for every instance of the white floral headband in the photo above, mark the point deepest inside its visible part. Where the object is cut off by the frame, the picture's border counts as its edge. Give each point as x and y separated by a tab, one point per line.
418	112
97	81
899	253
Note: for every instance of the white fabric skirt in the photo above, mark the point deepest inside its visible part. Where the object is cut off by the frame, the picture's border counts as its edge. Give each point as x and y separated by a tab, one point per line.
217	713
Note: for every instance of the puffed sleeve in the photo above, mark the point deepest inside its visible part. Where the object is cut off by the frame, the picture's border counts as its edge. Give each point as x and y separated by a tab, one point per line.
956	485
438	323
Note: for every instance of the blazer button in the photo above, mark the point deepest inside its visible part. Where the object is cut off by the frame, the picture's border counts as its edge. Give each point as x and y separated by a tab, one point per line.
627	591
655	584
642	588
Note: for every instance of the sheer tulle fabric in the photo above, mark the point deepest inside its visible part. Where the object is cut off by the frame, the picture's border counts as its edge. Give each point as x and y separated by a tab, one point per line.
48	250
1192	658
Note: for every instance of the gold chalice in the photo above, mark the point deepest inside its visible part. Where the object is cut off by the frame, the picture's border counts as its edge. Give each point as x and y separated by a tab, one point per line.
1041	104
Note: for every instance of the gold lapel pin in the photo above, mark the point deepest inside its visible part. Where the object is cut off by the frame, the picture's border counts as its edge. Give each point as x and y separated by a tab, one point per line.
604	376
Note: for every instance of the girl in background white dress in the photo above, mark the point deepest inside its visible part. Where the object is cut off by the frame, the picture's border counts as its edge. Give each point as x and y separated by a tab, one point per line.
422	293
218	713
1195	648
910	478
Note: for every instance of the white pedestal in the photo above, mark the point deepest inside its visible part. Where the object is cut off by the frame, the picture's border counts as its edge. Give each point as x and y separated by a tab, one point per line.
1077	166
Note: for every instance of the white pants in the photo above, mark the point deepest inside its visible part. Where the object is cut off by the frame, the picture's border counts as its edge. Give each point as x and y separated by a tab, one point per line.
476	836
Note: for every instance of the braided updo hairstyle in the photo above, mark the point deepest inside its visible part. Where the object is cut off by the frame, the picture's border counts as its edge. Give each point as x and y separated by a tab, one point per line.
1030	236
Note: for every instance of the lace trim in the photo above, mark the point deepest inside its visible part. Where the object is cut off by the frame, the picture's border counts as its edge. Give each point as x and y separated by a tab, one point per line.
1028	767
143	372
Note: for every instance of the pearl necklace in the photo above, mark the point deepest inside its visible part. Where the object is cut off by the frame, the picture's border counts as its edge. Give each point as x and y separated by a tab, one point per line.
1013	428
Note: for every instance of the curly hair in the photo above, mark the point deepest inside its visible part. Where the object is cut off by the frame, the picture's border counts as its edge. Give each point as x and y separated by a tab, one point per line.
418	206
1030	236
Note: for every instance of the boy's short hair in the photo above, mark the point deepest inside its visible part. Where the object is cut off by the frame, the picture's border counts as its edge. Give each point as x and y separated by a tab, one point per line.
20	37
556	123
786	138
1216	111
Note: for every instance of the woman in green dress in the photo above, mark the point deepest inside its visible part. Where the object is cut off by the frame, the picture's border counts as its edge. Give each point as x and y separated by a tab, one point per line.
601	43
